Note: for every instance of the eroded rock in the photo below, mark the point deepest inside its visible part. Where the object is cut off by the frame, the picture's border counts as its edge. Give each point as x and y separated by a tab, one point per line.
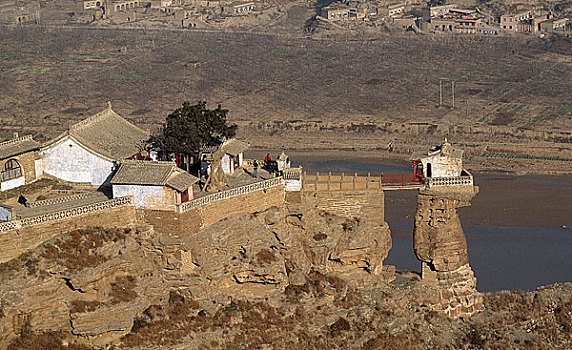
440	244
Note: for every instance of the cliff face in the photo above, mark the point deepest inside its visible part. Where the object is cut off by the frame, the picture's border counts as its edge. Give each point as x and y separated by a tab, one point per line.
89	284
289	277
440	243
92	284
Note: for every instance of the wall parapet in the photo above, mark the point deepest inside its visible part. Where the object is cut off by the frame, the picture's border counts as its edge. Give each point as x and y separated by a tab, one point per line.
58	200
257	186
463	180
64	214
293	173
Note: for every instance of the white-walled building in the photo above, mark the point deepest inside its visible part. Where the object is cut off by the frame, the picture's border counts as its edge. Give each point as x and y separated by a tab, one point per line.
87	150
153	185
233	156
441	161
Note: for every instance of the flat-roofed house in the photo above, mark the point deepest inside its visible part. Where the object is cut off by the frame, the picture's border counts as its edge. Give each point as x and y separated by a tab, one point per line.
514	22
153	185
335	12
393	9
19	160
468	25
86	152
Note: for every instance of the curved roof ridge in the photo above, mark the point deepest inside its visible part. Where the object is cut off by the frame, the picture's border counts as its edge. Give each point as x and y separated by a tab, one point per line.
94	118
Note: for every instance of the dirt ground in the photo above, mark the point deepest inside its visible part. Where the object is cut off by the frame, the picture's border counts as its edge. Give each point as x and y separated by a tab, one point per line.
346	91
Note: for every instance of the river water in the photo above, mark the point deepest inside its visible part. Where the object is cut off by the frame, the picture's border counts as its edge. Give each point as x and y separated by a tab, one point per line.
503	256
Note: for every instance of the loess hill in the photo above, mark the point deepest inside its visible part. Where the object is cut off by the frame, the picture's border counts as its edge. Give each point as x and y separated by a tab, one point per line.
337	90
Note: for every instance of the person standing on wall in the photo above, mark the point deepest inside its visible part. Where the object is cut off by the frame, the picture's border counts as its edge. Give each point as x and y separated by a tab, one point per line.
255	167
267	160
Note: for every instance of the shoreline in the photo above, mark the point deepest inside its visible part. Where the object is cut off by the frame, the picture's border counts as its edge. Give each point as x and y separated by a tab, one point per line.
384	157
505	199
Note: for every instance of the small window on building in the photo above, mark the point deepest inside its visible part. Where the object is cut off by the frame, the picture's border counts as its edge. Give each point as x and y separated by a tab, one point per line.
11	170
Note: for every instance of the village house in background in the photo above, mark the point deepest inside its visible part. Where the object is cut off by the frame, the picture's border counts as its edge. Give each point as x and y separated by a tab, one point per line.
86	152
448	18
153	184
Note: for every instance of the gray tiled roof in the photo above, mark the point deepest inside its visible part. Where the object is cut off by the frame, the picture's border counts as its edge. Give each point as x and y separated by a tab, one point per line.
439	150
18	146
181	180
234	147
107	134
139	172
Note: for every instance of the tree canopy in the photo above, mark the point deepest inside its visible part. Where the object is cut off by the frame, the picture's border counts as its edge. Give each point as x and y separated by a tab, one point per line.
190	127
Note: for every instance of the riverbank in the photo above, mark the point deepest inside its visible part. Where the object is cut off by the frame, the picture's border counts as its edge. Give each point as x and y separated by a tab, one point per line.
489	166
504	199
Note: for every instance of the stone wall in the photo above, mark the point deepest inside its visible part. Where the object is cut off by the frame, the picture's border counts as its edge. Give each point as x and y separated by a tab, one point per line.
190	221
251	202
170	223
19	239
365	204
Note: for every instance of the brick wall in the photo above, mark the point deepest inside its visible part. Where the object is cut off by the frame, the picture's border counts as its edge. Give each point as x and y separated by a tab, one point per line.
366	204
174	224
192	220
249	202
15	242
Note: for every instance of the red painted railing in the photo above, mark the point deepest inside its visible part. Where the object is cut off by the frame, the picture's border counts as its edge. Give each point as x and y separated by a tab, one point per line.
405	179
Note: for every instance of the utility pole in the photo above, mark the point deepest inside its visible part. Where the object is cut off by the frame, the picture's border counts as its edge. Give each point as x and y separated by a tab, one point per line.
440	92
453	92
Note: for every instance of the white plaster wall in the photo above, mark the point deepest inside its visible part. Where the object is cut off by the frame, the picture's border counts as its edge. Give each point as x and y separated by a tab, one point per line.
240	159
143	196
442	166
226	164
5	214
12	183
39	167
70	161
293	185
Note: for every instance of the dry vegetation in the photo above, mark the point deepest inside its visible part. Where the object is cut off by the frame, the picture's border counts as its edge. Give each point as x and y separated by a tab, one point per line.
324	313
281	88
79	248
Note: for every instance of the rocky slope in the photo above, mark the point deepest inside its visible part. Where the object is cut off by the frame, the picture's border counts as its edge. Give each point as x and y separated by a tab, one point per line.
291	277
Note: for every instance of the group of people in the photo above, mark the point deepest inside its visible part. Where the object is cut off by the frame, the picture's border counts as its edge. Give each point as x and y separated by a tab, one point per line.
255	165
275	167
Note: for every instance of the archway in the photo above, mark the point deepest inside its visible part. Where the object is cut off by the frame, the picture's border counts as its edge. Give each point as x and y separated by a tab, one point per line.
11	170
429	170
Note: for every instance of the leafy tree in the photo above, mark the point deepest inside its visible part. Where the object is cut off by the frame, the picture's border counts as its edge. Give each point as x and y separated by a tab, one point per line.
190	127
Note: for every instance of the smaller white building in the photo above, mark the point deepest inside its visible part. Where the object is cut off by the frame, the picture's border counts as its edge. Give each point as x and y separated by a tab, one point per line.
233	156
153	185
441	161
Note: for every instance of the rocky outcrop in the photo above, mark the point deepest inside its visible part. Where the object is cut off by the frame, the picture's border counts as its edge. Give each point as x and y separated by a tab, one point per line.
440	244
88	284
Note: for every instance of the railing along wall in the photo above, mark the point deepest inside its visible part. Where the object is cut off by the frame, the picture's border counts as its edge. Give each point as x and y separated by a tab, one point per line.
64	214
465	180
257	186
293	173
